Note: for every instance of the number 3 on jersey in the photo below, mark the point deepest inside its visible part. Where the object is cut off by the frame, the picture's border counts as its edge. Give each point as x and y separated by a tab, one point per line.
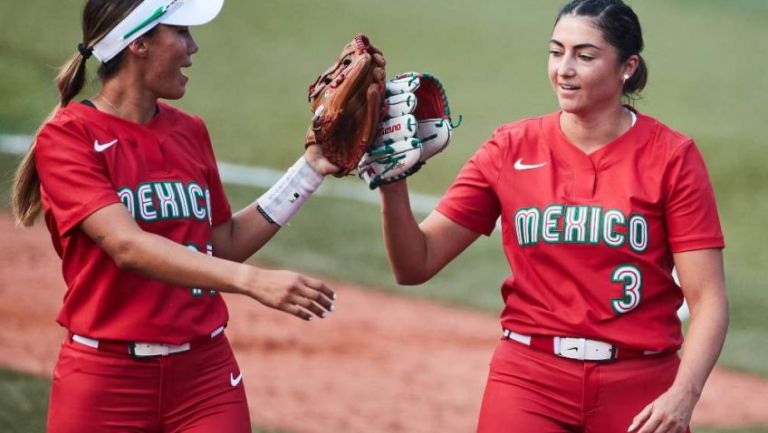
632	280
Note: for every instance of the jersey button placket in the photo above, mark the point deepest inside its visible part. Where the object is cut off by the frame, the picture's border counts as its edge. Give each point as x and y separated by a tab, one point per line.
585	176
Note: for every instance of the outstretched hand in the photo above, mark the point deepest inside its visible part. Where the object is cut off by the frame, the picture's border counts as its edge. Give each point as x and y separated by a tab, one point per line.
314	156
669	413
292	293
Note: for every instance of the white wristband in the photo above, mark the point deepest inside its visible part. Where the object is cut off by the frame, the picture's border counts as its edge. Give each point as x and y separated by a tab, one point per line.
281	202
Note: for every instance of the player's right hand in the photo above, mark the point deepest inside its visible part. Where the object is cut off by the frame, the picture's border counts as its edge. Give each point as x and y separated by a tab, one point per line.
291	292
314	156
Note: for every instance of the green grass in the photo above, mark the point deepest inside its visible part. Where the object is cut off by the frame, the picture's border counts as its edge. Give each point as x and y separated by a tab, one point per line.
24	402
743	430
706	57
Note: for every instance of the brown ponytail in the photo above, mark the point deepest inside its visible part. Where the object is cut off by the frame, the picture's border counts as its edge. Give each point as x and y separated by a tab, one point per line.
25	197
99	17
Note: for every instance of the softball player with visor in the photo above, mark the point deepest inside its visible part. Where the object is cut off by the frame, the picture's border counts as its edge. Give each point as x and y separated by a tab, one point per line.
134	203
598	202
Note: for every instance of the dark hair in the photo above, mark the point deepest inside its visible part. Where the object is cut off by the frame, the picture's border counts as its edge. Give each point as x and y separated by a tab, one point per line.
99	17
620	28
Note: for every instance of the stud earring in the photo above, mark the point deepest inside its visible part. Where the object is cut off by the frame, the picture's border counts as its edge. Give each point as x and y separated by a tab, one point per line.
626	77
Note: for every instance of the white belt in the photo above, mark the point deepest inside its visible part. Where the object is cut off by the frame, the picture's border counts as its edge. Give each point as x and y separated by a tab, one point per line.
143	349
581	349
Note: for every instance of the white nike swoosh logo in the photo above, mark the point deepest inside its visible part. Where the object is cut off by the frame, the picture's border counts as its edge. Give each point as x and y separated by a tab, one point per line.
101	147
520	166
234	381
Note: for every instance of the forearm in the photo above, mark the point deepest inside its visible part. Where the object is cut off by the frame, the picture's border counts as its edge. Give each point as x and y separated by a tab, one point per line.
162	259
243	235
252	227
405	242
703	343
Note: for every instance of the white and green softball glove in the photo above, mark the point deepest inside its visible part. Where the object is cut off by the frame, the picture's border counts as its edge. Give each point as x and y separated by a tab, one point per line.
416	125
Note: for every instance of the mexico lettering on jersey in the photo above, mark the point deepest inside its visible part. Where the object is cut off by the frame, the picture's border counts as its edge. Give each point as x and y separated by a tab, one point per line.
560	223
589	237
156	201
165	175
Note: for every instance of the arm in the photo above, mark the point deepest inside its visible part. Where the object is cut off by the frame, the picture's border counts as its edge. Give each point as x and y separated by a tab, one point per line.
247	231
418	251
703	282
113	229
241	236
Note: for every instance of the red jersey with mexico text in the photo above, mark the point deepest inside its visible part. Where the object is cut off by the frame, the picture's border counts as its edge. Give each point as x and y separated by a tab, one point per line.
589	237
165	174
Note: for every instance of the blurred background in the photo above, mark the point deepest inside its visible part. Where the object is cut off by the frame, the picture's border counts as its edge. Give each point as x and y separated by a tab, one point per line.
707	62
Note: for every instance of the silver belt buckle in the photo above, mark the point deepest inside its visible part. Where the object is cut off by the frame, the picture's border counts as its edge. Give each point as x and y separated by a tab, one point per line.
583	349
149	350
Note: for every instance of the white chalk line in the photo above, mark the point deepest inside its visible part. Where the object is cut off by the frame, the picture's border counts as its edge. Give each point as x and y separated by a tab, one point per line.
264	177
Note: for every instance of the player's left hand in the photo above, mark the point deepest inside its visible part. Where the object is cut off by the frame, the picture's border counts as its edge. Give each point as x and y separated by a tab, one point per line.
314	156
416	125
669	413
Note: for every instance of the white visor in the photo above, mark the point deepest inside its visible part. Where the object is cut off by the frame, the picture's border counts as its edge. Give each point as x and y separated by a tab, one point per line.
150	13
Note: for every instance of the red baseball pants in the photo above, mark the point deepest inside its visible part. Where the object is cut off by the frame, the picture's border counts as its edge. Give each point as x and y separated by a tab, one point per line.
196	391
532	391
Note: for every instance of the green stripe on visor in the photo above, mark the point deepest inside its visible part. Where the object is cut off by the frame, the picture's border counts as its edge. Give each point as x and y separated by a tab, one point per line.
155	15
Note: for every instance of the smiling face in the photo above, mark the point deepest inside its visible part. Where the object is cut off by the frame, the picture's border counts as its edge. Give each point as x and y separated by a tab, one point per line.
169	49
584	69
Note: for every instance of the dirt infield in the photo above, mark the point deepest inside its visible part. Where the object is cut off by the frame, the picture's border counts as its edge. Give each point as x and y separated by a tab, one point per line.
380	364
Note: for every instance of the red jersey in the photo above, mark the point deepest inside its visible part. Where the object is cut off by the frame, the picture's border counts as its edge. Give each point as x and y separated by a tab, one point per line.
589	237
165	173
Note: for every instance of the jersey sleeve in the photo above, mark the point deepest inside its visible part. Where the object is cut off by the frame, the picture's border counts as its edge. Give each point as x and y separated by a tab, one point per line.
221	210
691	212
73	179
471	200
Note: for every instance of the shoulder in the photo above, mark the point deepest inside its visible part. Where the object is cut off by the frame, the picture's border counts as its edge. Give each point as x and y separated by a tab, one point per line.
506	140
520	133
176	116
522	127
71	116
66	123
187	127
667	139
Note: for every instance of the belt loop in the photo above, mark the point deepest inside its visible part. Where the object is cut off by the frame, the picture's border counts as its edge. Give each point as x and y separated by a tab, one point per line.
85	341
217	331
520	338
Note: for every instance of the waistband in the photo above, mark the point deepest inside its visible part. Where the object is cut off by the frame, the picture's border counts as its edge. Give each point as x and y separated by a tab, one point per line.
577	348
139	349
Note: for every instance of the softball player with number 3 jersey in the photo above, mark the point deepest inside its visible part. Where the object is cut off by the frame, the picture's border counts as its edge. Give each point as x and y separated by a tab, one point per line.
597	203
136	210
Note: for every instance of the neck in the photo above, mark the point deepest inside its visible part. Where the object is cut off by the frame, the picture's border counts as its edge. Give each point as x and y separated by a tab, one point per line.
125	101
591	131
